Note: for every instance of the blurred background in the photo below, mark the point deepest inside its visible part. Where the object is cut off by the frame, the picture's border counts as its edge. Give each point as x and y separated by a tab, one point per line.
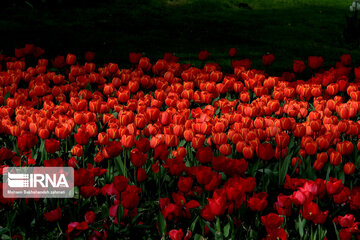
290	29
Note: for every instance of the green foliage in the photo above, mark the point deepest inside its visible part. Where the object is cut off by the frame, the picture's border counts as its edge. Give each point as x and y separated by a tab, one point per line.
290	29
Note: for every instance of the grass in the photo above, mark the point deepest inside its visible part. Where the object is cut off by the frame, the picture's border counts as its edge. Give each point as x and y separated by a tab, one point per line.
290	29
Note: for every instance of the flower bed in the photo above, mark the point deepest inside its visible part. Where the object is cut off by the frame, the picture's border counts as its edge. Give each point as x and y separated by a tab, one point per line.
172	151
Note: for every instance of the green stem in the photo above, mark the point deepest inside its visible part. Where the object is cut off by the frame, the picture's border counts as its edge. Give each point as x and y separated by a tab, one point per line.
218	226
124	161
58	225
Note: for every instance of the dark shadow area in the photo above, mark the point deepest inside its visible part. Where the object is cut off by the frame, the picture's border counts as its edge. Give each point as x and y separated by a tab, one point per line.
114	28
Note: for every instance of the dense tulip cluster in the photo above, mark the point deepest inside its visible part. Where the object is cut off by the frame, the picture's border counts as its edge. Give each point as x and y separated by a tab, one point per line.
164	149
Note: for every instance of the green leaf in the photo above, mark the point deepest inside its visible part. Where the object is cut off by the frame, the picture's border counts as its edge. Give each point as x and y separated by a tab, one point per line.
310	170
356	156
198	237
252	170
322	232
227	230
219	236
4	230
182	142
133	221
105	210
7	95
193	224
337	232
32	224
342	175
301	225
267	171
217	111
328	171
5	237
210	228
162	224
253	234
295	167
88	87
214	100
285	166
120	213
120	165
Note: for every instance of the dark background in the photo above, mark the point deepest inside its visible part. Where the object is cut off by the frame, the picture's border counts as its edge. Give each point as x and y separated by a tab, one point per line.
290	29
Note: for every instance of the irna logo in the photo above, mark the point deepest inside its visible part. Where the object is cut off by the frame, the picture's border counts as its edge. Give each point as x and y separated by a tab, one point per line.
38	182
19	180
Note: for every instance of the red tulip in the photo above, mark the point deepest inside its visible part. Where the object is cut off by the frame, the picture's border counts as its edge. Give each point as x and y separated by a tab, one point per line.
272	221
134	57
335	158
113	67
144	64
299	131
197	141
318	165
355	198
346	221
26	141
19	53
282	140
225	149
203	55
248	152
53	215
232	52
77	150
137	157
81	137
258	201
283	205
343	196
345	234
89	217
120	183
217	205
349	168
141	175
89	56
204	154
128	141
268	59
207	214
311	148
346	59
43	133
185	184
52	145
171	140
266	152
78	226
310	211
334	186
70	59
130	197
103	138
298	66
278	234
315	62
176	234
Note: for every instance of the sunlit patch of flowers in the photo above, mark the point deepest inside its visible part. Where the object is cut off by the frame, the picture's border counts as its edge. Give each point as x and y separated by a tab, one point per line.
164	150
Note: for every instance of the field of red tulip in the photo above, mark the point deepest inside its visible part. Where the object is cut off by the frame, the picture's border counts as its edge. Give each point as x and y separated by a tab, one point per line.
164	150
